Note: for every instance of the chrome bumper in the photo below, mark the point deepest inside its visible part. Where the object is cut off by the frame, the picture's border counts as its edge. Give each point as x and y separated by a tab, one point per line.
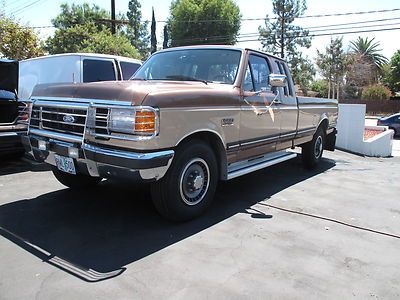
100	162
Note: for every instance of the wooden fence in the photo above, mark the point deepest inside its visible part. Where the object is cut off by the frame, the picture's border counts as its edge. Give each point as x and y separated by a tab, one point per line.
378	107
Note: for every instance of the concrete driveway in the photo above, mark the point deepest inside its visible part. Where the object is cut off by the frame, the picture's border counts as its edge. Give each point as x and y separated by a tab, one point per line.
279	233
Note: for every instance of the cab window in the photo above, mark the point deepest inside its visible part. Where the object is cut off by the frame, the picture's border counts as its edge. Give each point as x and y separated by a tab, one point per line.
248	80
98	70
260	71
128	69
284	71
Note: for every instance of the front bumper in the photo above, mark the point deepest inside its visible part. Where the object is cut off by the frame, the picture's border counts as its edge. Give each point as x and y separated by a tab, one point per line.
101	162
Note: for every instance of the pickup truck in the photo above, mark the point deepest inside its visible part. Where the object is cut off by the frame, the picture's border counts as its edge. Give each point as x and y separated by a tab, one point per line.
13	113
189	117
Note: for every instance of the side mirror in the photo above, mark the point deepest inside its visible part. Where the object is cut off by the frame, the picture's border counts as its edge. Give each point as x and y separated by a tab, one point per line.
277	80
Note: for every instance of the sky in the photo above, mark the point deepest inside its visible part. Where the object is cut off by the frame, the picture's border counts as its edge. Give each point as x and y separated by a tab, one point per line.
41	12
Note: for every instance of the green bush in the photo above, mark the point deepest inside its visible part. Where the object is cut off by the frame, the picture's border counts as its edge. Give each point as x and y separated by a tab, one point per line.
320	87
376	92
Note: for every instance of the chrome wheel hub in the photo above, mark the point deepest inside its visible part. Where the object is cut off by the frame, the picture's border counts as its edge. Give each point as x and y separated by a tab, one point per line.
194	181
318	147
198	182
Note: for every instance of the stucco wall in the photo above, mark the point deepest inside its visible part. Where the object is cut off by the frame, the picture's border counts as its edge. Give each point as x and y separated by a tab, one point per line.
350	137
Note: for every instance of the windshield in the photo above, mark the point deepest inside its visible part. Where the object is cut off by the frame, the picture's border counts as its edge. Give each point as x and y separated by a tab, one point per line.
208	65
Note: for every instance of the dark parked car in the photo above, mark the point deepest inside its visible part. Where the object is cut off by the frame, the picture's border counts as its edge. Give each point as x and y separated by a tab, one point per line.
12	121
393	122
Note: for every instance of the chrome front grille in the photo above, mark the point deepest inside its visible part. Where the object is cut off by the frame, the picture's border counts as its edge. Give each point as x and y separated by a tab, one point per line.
101	118
69	120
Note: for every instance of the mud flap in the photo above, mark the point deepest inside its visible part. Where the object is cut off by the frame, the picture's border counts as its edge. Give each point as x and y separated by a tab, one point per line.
331	141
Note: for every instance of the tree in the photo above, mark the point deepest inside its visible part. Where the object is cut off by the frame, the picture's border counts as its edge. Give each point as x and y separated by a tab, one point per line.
280	37
392	73
153	38
302	70
17	41
204	22
80	15
368	50
137	30
320	87
166	37
78	30
366	65
332	66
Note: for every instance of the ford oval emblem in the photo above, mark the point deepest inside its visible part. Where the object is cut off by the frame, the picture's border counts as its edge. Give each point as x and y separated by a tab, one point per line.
68	119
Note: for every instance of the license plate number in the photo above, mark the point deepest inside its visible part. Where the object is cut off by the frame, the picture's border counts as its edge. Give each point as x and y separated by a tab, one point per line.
65	164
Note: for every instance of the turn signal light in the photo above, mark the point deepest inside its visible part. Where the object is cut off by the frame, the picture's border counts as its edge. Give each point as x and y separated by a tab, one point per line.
145	122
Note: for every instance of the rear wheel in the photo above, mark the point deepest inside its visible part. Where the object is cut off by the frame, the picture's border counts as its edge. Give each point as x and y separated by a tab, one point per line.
77	181
312	151
395	131
188	188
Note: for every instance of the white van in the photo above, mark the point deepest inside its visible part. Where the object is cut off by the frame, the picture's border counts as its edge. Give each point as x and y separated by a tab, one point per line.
73	68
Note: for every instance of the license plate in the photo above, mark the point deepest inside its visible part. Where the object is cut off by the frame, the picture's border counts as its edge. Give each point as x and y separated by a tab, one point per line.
65	164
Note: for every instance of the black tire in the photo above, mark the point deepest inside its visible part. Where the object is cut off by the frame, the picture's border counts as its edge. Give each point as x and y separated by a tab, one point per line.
312	151
395	133
77	181
188	188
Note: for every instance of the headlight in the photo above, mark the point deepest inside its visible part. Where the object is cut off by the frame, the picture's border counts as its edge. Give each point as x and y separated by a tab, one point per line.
137	121
122	120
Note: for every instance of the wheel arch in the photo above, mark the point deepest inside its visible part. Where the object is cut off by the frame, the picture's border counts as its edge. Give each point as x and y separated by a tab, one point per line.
215	141
323	123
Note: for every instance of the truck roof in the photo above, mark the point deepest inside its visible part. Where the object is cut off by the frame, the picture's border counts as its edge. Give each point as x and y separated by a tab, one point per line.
230	47
120	58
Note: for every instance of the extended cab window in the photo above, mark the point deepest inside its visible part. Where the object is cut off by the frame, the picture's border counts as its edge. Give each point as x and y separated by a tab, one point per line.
260	71
284	71
128	69
98	70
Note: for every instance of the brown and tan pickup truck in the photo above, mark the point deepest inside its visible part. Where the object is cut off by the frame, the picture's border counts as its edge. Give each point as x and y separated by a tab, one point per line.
188	118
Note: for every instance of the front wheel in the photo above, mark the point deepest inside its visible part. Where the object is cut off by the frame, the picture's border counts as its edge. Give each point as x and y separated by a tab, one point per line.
188	188
77	181
312	151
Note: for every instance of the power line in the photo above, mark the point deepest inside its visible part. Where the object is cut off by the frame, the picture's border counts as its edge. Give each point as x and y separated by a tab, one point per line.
311	28
300	17
355	23
257	34
20	9
8	5
336	33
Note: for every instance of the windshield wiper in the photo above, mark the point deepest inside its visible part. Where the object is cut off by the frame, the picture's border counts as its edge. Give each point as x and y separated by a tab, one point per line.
138	78
186	78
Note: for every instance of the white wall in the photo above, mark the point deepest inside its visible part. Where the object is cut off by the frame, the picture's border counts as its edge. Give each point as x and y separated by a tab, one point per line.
350	137
350	127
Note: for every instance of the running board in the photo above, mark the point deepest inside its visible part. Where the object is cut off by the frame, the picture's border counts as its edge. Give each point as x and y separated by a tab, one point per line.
258	164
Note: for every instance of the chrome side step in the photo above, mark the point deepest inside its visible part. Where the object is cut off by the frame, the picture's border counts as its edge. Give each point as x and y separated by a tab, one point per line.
243	168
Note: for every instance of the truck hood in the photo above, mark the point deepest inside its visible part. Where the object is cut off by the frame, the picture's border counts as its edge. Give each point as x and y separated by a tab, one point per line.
129	91
9	75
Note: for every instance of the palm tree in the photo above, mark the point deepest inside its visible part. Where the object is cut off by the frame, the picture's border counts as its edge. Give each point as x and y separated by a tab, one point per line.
369	50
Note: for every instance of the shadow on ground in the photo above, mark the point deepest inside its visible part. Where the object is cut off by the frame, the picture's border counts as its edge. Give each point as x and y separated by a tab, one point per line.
94	234
13	165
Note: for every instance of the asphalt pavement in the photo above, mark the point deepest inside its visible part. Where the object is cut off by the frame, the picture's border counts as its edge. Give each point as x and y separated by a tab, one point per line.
280	233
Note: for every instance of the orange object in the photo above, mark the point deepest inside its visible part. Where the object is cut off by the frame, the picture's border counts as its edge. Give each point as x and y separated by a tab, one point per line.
145	122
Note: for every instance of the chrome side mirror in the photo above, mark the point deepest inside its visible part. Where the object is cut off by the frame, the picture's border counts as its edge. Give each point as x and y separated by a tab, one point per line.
277	80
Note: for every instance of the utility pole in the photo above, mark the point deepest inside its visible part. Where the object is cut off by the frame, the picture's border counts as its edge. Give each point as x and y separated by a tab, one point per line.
282	36
113	16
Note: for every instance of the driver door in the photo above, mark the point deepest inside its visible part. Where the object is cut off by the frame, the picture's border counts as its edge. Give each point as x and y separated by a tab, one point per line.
259	126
